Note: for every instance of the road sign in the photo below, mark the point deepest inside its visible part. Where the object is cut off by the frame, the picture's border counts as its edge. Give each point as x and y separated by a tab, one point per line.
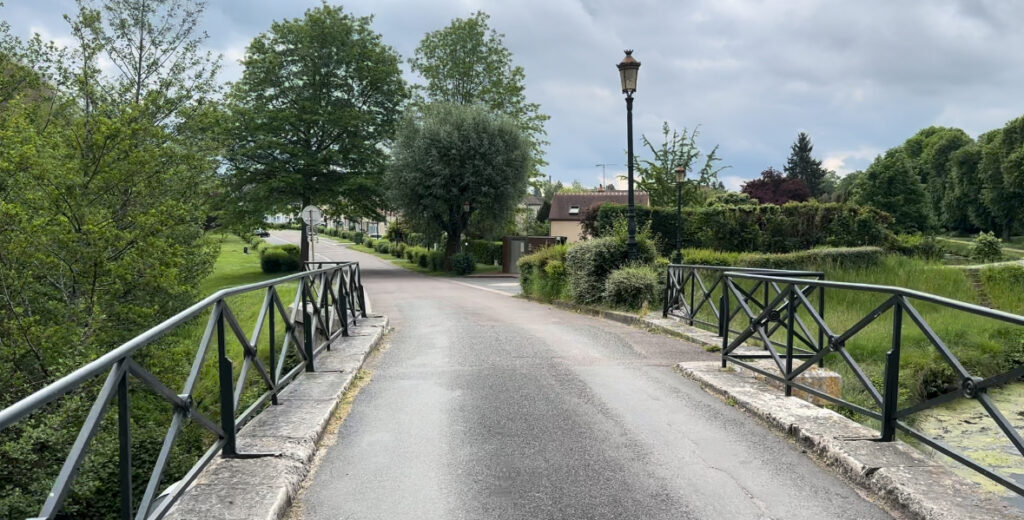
311	215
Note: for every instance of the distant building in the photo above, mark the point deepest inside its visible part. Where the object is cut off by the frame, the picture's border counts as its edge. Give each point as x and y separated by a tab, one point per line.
567	209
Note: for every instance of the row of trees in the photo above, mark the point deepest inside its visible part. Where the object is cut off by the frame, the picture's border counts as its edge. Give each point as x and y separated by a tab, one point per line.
942	178
314	120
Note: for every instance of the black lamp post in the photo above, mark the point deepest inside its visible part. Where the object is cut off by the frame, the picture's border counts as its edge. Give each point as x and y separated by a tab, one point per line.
680	177
628	69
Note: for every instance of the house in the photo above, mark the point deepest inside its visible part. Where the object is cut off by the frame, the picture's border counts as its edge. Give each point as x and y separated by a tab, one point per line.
567	209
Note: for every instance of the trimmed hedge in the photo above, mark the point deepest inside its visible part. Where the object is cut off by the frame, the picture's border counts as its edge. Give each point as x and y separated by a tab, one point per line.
765	228
588	263
278	259
818	259
917	245
485	252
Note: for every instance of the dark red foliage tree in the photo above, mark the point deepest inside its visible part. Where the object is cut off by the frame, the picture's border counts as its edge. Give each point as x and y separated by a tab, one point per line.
774	188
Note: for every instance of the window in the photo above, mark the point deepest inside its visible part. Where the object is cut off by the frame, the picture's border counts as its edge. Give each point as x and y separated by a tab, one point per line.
574	210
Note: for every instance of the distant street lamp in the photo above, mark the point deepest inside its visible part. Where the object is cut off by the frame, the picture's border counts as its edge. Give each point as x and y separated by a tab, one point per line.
680	177
628	69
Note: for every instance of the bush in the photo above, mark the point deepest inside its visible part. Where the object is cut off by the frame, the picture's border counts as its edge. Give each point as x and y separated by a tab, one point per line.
818	259
278	259
382	246
436	260
485	252
398	250
765	228
633	286
542	274
918	245
588	263
463	263
987	248
358	237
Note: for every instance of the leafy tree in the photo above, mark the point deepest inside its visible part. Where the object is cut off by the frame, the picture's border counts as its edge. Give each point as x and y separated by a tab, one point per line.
1002	173
803	166
318	99
848	188
449	156
101	226
467	63
657	175
774	188
962	205
930	152
890	184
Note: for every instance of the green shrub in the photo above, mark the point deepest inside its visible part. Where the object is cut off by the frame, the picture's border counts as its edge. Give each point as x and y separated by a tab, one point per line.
542	273
817	259
918	245
398	250
382	246
371	243
436	260
485	252
987	248
358	237
588	263
764	228
463	263
633	286
278	259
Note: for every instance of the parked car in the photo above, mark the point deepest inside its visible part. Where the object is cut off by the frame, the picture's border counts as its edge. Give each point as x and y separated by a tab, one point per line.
262	233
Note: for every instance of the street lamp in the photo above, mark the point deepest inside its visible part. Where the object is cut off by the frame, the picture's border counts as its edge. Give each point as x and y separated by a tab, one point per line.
680	177
628	69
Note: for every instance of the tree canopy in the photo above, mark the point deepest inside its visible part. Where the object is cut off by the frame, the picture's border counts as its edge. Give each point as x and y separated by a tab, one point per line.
318	100
457	162
891	185
657	175
774	188
467	63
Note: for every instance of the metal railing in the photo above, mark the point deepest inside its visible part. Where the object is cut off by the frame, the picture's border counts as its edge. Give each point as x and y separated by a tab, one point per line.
323	297
781	313
691	293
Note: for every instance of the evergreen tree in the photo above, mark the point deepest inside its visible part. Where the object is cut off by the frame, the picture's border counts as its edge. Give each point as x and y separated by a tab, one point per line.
802	165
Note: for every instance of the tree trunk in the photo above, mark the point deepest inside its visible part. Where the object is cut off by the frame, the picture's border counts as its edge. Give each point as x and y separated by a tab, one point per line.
452	245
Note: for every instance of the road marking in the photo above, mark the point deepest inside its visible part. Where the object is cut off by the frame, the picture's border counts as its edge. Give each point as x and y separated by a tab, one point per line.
495	291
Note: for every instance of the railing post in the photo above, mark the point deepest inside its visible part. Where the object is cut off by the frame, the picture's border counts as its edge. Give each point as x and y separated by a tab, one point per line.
790	312
892	376
723	318
821	312
693	281
325	304
668	286
307	328
125	446
273	357
343	291
227	395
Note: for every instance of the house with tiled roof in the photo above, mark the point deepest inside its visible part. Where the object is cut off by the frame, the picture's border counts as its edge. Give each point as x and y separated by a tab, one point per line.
567	209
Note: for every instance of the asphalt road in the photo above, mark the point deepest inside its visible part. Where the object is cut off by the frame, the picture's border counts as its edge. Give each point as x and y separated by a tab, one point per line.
490	406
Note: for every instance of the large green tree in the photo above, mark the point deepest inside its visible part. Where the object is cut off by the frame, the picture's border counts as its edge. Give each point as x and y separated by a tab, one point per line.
657	175
891	185
930	153
318	101
802	165
457	162
106	180
467	63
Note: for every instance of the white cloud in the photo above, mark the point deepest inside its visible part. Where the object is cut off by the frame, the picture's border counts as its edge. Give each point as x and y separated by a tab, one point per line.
844	162
734	182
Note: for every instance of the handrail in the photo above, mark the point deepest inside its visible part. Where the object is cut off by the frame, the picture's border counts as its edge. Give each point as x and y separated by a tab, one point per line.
323	297
781	314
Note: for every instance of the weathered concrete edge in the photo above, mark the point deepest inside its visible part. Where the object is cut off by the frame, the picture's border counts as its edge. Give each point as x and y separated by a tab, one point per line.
897	474
264	487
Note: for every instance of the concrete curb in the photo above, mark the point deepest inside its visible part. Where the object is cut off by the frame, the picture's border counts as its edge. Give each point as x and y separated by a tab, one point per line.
898	475
264	487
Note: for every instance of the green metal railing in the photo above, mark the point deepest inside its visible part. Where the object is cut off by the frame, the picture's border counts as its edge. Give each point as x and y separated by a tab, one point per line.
328	300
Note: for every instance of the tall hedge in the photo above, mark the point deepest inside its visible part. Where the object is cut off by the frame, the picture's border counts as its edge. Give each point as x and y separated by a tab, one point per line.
766	228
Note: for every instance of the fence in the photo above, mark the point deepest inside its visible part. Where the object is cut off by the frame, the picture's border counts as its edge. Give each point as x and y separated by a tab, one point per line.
323	297
776	326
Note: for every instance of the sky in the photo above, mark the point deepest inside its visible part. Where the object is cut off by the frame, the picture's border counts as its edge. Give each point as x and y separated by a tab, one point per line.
858	77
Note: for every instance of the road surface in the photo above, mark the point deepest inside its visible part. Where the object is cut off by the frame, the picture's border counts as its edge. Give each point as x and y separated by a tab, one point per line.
490	406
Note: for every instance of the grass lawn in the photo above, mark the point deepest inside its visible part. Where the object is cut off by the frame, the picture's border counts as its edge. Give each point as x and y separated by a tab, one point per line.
962	246
401	262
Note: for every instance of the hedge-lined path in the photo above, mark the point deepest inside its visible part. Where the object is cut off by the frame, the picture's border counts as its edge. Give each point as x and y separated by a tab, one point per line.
489	406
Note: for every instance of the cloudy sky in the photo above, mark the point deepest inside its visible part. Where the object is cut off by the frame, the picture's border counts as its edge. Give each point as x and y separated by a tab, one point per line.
859	77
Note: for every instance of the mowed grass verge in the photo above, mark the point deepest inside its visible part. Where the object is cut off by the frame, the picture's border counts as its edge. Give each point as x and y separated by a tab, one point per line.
405	264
